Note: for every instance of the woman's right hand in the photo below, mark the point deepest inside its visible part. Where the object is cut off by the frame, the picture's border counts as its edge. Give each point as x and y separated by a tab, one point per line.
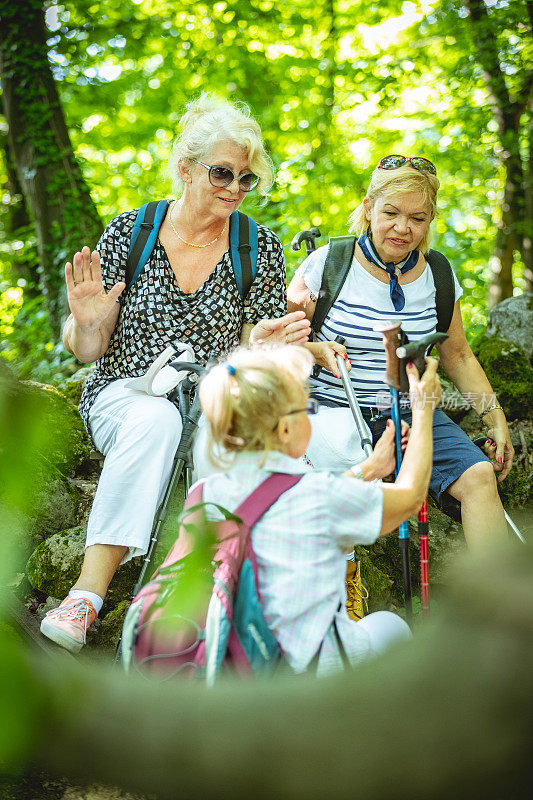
325	355
87	298
425	392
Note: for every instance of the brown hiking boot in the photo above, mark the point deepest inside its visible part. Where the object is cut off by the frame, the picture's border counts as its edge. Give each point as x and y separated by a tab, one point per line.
356	593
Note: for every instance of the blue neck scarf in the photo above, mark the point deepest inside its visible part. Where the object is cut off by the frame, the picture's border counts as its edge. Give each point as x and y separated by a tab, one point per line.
396	292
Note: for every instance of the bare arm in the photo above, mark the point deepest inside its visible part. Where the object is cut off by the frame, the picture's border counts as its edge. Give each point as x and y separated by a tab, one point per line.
466	372
89	328
299	298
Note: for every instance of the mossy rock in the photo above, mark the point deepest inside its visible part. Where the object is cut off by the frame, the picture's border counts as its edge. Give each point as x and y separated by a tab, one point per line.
55	565
36	419
377	583
512	320
72	388
54	509
446	543
69	446
446	540
510	374
110	628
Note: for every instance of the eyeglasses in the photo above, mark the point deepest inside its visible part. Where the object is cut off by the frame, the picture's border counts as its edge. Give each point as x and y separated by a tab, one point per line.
311	407
223	176
419	163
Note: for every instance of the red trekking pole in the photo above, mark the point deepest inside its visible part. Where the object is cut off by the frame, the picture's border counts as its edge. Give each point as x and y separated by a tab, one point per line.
423	530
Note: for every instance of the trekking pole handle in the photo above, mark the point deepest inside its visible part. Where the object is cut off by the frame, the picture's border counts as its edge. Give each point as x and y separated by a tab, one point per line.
416	352
308	237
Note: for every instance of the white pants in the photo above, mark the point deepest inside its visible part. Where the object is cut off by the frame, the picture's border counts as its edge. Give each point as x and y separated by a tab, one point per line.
139	435
335	444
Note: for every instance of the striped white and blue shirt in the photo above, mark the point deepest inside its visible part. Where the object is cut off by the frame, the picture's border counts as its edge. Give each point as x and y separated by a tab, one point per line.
362	302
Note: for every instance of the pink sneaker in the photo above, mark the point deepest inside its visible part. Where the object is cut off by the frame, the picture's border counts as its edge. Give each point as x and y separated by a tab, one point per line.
67	624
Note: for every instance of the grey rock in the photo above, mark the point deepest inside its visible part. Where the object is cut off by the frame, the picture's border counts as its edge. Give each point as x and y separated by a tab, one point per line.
512	320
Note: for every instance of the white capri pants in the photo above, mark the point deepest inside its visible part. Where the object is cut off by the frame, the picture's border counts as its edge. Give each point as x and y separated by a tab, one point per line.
138	435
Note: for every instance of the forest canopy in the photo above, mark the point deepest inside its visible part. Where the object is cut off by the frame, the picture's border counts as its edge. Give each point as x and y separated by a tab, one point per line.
335	85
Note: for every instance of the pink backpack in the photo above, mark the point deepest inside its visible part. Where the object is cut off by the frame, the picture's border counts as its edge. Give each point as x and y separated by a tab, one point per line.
229	630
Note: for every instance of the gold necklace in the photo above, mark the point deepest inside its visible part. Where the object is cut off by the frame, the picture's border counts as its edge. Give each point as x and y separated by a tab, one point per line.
190	244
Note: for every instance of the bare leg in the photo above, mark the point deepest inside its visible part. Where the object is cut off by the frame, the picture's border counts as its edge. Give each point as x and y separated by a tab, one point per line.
481	508
99	566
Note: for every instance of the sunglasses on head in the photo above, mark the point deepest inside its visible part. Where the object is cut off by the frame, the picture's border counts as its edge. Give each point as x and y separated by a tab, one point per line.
419	163
220	177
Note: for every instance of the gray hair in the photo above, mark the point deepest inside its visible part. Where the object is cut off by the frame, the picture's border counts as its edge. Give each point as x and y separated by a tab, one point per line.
209	120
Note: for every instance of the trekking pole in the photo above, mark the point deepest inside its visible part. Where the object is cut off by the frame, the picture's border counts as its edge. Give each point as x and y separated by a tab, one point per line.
481	441
308	237
190	423
392	338
415	351
399	350
423	531
360	423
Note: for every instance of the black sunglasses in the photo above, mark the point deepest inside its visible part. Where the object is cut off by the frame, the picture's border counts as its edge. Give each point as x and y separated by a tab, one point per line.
419	163
222	176
311	407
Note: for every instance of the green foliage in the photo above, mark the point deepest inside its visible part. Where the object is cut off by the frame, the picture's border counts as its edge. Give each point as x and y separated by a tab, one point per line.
27	339
334	84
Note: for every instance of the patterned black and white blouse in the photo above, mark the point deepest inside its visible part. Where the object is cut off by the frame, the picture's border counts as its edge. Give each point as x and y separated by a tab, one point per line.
156	313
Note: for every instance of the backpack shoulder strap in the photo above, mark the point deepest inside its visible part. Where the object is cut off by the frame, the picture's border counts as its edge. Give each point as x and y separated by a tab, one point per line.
336	268
244	248
264	496
444	288
143	237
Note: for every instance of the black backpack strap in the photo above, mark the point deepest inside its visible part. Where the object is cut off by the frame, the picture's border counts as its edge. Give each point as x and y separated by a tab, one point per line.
143	238
338	263
444	288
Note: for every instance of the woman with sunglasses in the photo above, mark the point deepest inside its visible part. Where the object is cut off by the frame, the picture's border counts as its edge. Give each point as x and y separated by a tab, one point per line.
390	279
187	292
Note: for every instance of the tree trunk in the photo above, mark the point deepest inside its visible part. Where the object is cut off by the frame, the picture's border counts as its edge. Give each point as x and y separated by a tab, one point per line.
527	236
513	206
56	194
16	224
514	225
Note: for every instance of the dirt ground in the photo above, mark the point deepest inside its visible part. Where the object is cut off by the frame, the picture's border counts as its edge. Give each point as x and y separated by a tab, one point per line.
41	787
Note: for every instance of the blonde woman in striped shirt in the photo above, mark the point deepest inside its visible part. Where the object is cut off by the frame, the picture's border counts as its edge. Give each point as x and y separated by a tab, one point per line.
390	279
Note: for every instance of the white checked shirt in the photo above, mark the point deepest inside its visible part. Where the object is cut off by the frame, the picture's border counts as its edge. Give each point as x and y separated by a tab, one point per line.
301	544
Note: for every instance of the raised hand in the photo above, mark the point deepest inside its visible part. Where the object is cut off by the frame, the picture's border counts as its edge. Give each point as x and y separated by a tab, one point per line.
87	298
